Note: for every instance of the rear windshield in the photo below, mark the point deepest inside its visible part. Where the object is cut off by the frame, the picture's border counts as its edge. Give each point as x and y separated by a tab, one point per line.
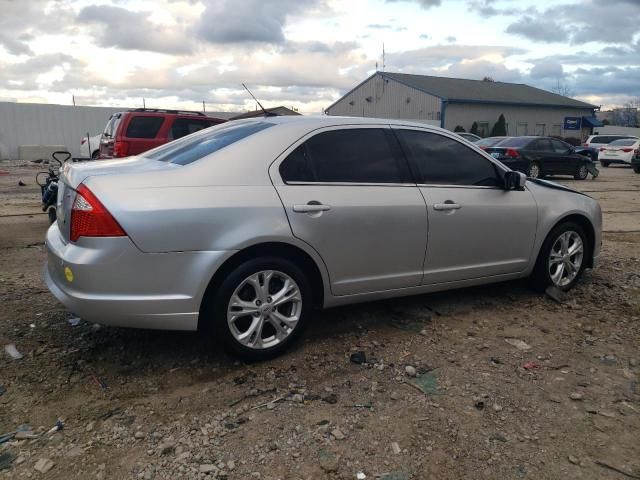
516	142
205	142
491	141
144	127
624	143
112	125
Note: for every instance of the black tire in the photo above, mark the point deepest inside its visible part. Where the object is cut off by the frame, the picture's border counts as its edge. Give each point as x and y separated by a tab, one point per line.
51	213
636	168
604	164
534	170
95	155
216	303
540	278
582	173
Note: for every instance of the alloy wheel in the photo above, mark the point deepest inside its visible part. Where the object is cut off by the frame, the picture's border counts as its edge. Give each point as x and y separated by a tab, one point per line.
264	309
534	170
565	258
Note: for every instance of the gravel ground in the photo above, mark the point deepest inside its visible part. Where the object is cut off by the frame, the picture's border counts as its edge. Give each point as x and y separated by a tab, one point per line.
490	382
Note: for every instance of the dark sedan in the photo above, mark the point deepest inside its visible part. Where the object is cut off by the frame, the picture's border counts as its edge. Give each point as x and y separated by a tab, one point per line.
543	156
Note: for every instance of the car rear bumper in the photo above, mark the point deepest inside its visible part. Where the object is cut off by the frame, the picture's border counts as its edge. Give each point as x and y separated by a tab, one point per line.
110	281
624	161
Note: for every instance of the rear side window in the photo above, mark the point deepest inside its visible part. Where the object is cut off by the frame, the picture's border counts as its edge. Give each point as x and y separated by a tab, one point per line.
441	160
144	127
185	126
194	147
359	155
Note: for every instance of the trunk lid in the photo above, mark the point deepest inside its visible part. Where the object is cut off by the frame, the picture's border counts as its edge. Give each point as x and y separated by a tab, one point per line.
73	174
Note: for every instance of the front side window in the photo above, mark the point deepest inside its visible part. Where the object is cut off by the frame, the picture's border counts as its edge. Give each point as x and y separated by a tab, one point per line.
441	160
144	127
542	145
359	155
194	147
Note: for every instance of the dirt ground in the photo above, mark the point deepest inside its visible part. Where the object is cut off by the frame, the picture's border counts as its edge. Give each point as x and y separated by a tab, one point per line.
163	405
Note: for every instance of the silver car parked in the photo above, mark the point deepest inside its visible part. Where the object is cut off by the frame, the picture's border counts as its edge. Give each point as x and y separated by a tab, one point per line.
244	228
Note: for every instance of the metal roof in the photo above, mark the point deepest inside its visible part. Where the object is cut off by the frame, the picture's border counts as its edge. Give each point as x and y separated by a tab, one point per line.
459	90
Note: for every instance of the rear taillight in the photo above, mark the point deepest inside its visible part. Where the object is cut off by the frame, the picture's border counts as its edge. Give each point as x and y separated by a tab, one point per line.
120	148
627	150
511	153
585	145
89	218
84	140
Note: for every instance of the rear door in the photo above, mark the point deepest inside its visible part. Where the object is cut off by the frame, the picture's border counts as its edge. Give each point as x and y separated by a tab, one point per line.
541	151
142	133
476	228
348	193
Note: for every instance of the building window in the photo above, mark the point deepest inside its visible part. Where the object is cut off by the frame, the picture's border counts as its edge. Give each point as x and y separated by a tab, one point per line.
540	127
483	129
556	130
522	129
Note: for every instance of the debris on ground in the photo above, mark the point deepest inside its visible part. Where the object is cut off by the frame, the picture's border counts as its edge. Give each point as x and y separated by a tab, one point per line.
3	390
358	358
556	294
519	344
22	184
13	351
530	365
43	465
74	321
6	459
426	383
410	370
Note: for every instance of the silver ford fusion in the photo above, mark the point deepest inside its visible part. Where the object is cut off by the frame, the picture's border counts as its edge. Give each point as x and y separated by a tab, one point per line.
245	228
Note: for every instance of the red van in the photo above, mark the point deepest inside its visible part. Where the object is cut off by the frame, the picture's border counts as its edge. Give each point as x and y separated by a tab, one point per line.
136	131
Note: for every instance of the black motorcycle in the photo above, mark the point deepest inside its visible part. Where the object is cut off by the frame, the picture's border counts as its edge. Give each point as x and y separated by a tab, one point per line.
49	184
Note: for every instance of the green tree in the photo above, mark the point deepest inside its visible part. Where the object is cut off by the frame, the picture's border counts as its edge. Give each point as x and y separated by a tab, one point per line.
500	127
474	128
459	128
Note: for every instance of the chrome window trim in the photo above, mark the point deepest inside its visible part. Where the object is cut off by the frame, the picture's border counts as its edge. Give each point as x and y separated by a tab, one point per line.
440	185
353	184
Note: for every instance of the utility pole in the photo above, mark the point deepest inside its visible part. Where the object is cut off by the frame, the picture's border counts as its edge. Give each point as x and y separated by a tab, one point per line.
73	98
203	107
144	105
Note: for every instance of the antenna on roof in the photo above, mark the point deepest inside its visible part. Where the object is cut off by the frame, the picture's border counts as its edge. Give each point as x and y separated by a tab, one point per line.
266	114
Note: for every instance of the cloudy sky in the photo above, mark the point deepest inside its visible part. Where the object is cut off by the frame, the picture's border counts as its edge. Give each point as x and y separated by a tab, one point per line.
306	53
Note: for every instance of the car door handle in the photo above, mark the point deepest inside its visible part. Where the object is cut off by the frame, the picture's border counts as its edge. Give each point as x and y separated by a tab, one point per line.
448	205
311	208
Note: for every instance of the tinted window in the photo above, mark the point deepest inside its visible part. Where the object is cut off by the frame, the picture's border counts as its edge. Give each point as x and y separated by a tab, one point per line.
194	147
442	160
186	126
352	156
559	147
490	141
516	142
542	145
144	127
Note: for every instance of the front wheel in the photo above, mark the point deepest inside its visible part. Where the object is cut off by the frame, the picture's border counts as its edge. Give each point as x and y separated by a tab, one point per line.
562	258
534	170
636	168
260	308
582	172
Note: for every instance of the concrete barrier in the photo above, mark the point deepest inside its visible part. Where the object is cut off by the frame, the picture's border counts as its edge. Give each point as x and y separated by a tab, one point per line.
36	152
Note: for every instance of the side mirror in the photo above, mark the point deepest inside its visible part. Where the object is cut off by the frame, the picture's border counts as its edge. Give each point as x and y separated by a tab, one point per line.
514	180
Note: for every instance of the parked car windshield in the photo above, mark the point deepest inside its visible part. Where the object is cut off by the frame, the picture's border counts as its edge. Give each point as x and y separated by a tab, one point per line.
623	143
490	141
516	142
205	142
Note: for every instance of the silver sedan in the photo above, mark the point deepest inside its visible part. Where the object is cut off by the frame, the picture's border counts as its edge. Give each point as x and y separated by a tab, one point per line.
245	228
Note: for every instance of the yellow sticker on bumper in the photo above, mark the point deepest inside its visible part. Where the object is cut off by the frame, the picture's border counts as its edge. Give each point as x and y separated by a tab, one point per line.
68	274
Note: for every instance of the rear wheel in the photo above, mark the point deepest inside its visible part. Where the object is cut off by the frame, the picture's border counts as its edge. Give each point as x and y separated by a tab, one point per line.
534	170
562	258
582	172
604	163
260	308
95	155
51	213
636	168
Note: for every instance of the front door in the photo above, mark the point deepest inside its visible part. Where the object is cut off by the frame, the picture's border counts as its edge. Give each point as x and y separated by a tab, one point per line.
476	228
348	194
